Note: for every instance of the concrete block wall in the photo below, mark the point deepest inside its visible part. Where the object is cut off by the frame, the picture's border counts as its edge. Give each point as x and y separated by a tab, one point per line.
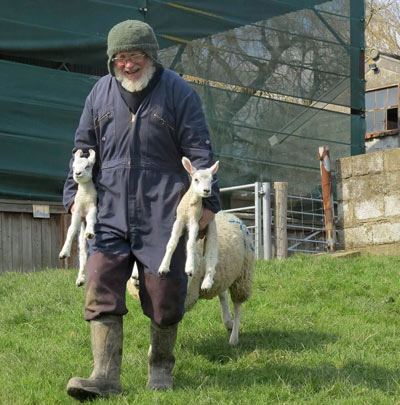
368	193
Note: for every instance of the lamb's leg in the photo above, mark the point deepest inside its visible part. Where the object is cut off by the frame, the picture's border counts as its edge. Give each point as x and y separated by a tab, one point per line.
237	312
211	255
191	247
177	230
135	275
72	230
90	221
226	314
82	256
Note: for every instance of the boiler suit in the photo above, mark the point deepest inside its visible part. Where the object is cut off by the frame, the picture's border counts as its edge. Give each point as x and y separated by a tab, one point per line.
140	180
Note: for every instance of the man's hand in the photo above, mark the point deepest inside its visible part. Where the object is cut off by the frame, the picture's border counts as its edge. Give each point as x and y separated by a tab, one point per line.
72	208
205	219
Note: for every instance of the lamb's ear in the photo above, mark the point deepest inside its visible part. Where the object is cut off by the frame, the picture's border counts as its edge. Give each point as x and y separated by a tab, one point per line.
214	167
92	156
188	165
78	153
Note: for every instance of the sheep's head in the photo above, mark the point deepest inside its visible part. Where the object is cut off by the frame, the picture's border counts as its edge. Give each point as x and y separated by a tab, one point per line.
202	178
83	166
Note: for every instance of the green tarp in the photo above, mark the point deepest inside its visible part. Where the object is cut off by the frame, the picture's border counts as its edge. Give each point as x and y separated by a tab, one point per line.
39	110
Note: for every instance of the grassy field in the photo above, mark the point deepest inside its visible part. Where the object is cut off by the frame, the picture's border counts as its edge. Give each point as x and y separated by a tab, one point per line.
316	331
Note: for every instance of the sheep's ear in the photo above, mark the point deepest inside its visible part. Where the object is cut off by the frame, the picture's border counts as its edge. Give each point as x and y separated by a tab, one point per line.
92	156
214	167
188	165
78	153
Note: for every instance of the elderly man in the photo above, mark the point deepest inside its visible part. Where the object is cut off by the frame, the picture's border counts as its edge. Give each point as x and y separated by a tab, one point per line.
141	119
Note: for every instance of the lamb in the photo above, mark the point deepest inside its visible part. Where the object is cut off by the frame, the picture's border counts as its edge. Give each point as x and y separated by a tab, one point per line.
85	207
234	272
188	214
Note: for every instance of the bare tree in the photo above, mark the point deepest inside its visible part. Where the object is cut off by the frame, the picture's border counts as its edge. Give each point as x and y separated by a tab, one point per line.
382	25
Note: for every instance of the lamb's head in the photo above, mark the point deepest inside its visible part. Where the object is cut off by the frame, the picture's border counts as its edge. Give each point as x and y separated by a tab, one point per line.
83	166
202	178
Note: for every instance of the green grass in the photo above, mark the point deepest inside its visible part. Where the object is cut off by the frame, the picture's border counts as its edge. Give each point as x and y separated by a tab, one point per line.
317	330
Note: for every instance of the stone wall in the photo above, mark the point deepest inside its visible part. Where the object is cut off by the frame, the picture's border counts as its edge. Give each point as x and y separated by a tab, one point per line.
368	193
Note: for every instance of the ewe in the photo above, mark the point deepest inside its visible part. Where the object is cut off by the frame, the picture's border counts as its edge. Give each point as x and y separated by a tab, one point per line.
234	272
188	214
85	206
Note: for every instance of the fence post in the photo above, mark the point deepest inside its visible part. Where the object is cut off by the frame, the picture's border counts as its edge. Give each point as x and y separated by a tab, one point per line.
281	241
326	181
267	237
257	219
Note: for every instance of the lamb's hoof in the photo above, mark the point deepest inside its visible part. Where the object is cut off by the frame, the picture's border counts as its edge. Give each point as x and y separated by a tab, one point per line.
163	270
207	284
89	235
135	281
63	255
80	282
189	270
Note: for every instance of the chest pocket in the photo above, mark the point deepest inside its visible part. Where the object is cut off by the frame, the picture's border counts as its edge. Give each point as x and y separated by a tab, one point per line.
104	126
157	118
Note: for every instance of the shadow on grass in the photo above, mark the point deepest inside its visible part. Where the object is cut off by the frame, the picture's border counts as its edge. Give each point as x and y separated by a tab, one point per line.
217	348
277	371
319	378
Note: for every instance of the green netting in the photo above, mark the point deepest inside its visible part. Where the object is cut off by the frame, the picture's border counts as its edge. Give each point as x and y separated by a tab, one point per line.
278	79
277	82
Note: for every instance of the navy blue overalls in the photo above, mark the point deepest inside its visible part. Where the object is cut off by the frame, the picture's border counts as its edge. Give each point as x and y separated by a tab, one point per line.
140	181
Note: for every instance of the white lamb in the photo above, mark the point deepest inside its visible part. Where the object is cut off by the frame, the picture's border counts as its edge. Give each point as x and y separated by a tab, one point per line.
189	212
85	206
234	272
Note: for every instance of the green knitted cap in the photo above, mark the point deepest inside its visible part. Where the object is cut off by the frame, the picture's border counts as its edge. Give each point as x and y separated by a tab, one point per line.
128	35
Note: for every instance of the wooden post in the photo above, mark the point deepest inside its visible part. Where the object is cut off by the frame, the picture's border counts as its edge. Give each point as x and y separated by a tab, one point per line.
280	219
326	181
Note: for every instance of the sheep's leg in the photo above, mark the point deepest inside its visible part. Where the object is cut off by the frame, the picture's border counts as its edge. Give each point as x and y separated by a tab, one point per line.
226	314
82	256
90	221
191	247
237	312
72	230
211	255
176	233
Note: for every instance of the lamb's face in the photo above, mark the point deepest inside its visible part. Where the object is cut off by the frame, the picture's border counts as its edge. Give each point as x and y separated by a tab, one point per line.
82	167
202	182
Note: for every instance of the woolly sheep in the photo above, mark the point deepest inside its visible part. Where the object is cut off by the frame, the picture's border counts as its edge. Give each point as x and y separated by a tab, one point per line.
189	212
85	206
234	272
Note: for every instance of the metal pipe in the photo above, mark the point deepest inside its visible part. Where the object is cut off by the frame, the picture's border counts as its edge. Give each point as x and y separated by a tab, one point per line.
267	219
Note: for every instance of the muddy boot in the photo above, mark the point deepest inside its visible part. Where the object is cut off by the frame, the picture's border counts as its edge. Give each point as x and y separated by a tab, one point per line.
161	356
106	335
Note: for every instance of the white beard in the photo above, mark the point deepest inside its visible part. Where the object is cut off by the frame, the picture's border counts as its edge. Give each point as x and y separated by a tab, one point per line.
133	86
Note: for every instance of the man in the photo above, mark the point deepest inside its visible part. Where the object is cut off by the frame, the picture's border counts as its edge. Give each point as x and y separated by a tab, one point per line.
141	119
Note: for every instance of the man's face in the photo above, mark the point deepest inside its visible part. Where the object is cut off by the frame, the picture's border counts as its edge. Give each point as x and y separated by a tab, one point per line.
131	64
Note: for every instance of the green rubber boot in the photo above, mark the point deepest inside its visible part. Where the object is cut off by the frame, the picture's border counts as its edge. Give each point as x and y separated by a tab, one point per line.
161	356
106	335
